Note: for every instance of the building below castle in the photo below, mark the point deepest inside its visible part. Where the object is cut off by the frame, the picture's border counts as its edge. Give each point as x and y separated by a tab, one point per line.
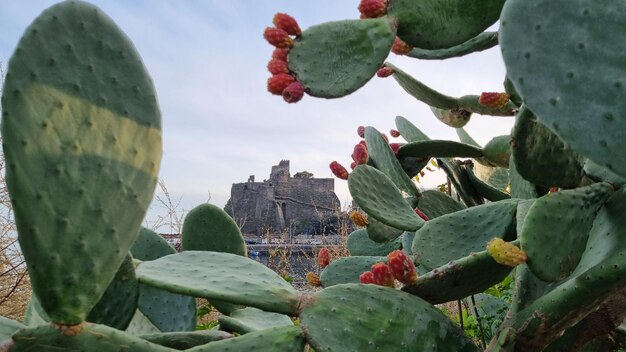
298	205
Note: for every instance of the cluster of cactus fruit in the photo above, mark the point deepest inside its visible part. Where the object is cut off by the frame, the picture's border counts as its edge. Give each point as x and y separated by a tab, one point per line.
81	134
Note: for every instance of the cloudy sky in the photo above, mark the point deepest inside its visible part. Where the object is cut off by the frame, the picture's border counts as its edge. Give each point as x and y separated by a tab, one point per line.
207	60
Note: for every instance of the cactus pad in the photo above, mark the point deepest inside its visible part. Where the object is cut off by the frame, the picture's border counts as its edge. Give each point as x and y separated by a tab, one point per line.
574	211
359	243
246	320
433	24
408	131
8	327
383	157
380	198
570	72
165	310
277	339
346	270
335	59
82	135
439	149
435	204
541	157
209	228
378	319
84	337
456	235
459	278
203	274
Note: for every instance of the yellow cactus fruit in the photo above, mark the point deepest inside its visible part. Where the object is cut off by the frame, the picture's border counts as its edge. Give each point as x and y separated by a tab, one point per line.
313	279
359	219
505	253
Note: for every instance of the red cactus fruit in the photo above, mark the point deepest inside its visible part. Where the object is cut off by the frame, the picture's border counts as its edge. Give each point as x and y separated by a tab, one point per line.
323	257
505	253
402	267
287	23
313	279
394	133
494	100
353	165
553	189
277	83
382	275
294	92
421	214
367	277
395	147
400	47
280	54
277	66
360	154
361	131
278	37
373	8
384	72
359	219
363	144
338	170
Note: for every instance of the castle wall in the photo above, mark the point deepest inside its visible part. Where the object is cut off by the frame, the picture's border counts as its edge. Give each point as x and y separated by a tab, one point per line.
283	202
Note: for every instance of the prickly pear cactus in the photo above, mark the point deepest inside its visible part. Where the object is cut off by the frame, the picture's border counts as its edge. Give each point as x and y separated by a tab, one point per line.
82	135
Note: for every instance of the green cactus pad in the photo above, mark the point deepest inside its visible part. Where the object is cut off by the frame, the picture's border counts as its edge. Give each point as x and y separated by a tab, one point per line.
433	24
520	187
149	245
359	243
165	310
407	242
471	103
334	59
82	135
497	177
481	42
456	235
91	337
408	131
600	272
528	288
541	157
348	269
498	151
8	327
554	251
187	339
204	274
486	190
277	339
209	228
456	117
435	204
570	72
457	174
246	320
380	232
510	89
602	174
420	91
459	278
378	318
117	305
381	199
464	137
115	308
384	159
440	149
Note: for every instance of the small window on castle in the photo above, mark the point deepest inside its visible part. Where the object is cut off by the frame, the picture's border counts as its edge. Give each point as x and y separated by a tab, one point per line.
245	187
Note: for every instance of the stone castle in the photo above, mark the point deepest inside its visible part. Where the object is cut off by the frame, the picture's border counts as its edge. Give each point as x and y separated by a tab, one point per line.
300	204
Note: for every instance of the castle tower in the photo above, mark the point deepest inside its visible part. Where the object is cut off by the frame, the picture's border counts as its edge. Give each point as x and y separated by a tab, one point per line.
280	172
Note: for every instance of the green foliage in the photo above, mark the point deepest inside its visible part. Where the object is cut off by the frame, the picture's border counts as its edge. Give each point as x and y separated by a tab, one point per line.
80	188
